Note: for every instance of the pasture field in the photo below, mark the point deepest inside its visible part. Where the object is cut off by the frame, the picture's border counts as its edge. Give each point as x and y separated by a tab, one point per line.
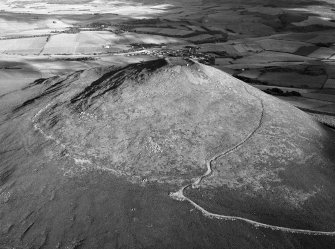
30	25
164	31
62	44
25	46
292	79
269	56
311	104
323	53
285	46
330	83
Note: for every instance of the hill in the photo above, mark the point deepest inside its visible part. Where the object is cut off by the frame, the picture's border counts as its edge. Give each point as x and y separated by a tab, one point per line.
92	159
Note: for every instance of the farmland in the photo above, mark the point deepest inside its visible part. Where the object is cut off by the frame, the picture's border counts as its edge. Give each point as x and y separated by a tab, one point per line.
287	44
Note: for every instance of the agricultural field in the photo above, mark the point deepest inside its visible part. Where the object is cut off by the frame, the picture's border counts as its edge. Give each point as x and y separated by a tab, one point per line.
164	31
284	44
23	46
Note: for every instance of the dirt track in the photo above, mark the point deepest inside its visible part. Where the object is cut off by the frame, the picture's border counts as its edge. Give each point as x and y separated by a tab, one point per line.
179	195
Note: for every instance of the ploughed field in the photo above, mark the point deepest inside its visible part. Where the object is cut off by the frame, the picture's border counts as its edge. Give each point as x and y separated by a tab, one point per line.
160	154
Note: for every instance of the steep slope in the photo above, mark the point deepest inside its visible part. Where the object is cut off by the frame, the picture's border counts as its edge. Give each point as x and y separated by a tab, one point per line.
111	144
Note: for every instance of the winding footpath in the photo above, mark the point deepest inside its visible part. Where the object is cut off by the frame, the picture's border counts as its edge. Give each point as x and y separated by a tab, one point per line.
180	196
38	128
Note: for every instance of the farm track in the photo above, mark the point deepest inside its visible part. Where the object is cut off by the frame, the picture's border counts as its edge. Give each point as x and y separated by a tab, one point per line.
46	42
179	195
